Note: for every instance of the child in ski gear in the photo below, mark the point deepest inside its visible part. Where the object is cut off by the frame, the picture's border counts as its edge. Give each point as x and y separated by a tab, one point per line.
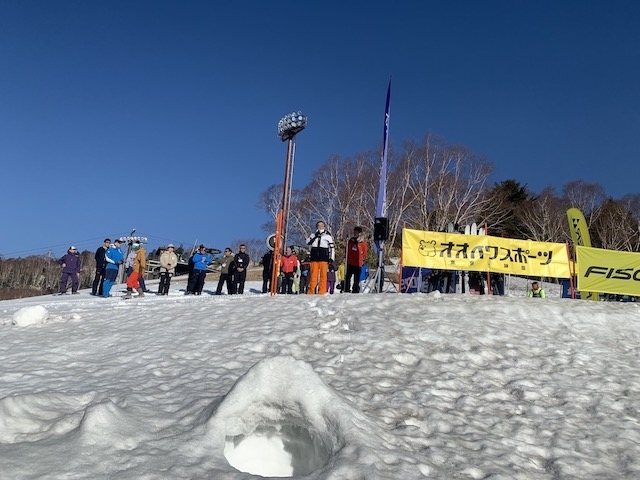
288	267
536	291
226	272
305	267
70	264
331	278
114	258
101	264
322	250
364	275
168	262
241	262
340	277
356	255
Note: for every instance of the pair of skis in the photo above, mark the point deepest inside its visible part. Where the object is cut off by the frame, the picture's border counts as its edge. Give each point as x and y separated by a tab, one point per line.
472	229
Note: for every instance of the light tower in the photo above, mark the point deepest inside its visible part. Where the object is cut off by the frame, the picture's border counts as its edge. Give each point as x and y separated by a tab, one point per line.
288	127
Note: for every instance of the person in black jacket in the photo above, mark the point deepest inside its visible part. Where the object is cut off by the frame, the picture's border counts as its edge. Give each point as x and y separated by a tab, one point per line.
267	269
241	262
101	264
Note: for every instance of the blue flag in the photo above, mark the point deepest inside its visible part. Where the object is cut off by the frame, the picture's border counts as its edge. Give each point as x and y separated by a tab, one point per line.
381	207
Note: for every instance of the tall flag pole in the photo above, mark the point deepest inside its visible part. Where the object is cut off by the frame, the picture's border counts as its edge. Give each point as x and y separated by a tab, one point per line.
381	207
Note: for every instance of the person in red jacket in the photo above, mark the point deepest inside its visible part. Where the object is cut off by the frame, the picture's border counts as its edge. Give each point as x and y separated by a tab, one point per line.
356	255
288	267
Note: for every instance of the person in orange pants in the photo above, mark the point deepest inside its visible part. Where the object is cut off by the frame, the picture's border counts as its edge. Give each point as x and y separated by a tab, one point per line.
322	250
139	265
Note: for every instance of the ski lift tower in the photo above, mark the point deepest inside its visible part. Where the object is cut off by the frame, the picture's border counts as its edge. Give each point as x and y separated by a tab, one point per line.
288	127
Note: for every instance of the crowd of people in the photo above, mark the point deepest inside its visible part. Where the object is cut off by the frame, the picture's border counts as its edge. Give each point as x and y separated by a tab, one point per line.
314	273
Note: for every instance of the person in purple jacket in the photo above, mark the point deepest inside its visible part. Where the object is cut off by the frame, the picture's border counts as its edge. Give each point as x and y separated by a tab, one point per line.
70	264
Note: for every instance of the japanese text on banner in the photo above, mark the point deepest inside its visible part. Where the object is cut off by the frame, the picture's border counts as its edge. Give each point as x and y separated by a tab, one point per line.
483	253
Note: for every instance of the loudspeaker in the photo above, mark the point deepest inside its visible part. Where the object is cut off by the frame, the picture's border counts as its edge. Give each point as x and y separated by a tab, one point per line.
381	229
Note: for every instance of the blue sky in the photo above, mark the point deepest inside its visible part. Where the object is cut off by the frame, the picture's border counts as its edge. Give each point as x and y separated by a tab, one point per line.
162	116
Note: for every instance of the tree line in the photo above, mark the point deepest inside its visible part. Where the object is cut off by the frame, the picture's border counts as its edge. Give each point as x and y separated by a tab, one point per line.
432	183
39	274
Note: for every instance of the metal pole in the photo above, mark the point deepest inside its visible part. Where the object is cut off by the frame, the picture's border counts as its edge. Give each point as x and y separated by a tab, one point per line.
281	221
380	280
286	191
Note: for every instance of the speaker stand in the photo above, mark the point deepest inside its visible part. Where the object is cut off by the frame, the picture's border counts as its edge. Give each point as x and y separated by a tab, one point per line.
375	284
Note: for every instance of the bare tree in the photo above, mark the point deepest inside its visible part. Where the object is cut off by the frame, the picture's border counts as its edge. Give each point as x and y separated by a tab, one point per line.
544	219
586	197
615	228
632	203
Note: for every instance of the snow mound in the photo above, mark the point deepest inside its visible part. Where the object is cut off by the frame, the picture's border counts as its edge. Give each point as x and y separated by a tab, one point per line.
281	420
33	417
32	315
107	425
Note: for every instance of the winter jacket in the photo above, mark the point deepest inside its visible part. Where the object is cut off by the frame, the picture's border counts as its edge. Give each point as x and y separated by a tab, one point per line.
201	260
331	275
241	261
289	264
114	257
140	261
305	267
226	267
168	262
70	263
356	251
267	263
99	256
364	273
322	248
539	293
128	263
340	272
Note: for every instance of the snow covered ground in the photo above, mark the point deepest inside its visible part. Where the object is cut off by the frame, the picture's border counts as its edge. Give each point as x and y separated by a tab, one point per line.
369	386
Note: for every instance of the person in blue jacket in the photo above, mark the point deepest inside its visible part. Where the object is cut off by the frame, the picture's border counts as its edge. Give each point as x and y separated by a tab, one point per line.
114	258
201	260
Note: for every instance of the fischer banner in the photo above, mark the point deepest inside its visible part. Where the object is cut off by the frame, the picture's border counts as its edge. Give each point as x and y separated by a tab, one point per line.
608	271
483	253
580	237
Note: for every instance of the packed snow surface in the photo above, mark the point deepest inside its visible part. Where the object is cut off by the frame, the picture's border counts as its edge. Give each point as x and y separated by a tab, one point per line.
367	386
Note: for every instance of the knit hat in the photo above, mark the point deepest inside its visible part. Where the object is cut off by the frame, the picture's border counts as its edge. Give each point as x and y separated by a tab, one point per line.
72	247
170	245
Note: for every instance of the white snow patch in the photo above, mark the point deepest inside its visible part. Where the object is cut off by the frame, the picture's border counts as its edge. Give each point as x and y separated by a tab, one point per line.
32	315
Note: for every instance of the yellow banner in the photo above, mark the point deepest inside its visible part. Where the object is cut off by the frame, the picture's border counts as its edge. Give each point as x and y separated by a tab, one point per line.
483	253
580	236
608	271
578	228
